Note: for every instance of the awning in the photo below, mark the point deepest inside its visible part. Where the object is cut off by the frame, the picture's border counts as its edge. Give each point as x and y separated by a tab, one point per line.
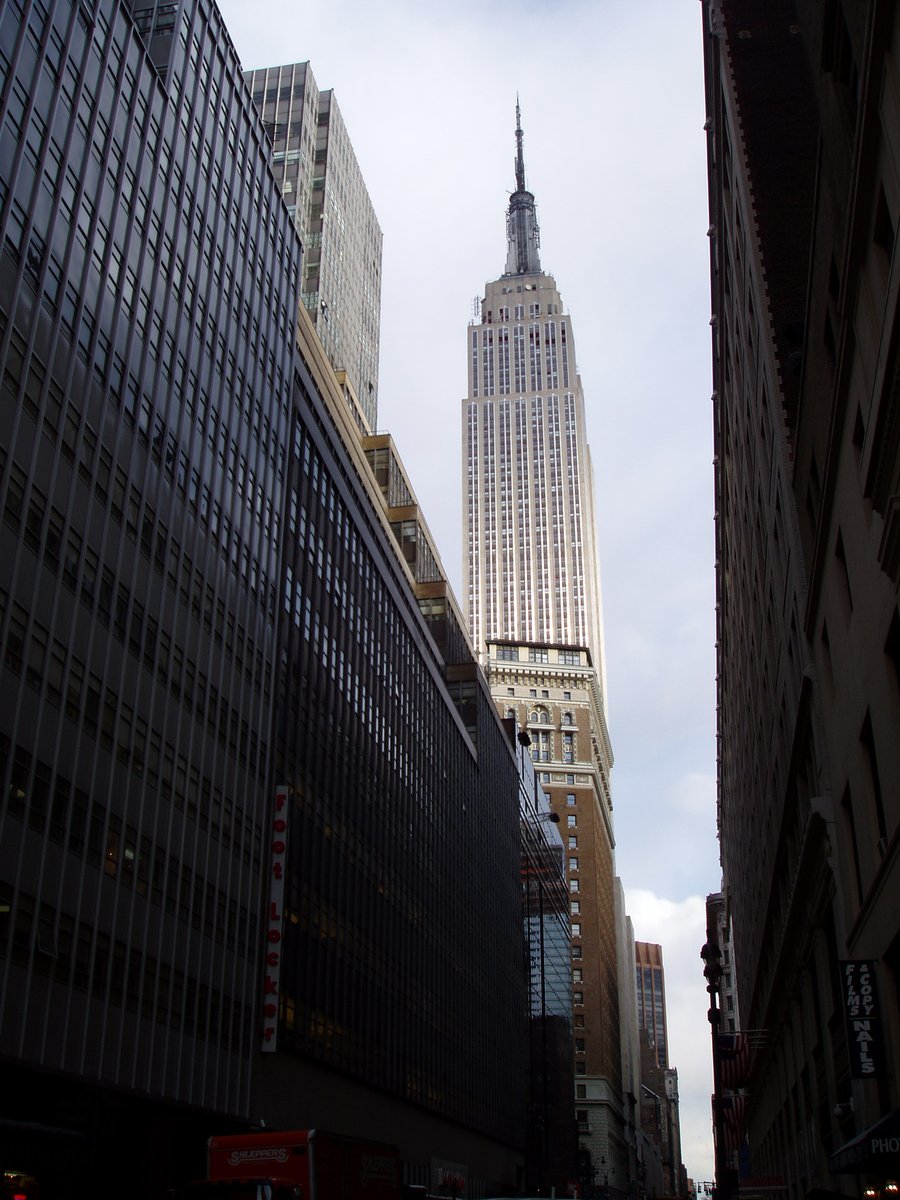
876	1149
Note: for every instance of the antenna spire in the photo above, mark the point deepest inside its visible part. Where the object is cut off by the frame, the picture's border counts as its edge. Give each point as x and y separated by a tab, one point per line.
523	236
520	157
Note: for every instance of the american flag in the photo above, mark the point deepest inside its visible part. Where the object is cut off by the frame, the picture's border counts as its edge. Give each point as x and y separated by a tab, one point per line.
734	1060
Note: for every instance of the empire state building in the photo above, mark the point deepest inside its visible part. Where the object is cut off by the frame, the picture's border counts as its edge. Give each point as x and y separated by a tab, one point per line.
532	586
531	568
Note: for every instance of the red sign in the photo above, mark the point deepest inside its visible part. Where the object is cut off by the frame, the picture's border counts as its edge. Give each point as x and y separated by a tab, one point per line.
274	925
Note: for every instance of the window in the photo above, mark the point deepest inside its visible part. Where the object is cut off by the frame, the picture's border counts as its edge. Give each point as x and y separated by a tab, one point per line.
567	719
580	1068
538	655
580	1091
567	695
576	952
573	864
579	1049
508	653
576	907
570	799
540	746
570	780
577	975
571	820
578	997
576	931
573	842
574	886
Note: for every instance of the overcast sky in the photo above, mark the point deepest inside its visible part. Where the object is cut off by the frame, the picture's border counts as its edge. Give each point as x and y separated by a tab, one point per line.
611	94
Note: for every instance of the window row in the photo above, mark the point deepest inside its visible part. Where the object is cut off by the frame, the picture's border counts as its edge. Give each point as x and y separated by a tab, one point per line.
121	731
541	716
43	529
79	445
50	803
75	953
131	623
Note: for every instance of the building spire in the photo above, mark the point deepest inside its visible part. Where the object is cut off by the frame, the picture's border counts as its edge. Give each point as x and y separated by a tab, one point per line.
523	236
520	157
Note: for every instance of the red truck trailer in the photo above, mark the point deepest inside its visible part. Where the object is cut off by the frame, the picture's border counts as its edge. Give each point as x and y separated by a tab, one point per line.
301	1164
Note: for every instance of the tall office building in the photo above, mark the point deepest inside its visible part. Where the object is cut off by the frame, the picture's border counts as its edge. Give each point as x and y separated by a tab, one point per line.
660	1117
324	190
650	981
149	284
804	189
531	569
532	586
259	821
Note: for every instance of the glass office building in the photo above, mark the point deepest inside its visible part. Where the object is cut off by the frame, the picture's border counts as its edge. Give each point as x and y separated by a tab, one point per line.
149	281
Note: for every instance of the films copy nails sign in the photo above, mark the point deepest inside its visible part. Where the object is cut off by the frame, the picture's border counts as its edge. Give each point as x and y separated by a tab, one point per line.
862	1018
274	923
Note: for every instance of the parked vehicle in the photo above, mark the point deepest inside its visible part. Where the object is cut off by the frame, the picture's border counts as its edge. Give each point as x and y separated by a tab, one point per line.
301	1164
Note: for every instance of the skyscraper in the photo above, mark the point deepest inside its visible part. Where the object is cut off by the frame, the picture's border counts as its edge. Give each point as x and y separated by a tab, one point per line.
659	1081
325	193
531	569
149	286
804	189
532	587
650	981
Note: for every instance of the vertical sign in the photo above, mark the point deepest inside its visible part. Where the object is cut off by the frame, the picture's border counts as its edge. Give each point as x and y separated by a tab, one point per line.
862	1017
274	922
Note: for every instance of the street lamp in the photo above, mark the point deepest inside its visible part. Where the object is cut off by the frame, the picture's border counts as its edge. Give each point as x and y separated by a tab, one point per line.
712	973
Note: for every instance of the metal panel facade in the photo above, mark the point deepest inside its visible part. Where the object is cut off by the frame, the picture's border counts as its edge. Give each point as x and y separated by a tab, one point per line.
148	285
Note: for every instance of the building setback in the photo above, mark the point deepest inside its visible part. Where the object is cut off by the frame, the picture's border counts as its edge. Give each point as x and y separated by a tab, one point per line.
204	602
804	139
532	589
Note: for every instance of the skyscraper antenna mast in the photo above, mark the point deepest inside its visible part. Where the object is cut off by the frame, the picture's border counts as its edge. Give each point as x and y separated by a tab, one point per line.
520	157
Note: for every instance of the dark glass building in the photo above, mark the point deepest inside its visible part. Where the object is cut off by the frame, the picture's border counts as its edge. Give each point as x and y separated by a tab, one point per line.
202	600
149	280
403	964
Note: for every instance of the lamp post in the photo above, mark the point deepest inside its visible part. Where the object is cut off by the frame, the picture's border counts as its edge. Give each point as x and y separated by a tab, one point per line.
712	973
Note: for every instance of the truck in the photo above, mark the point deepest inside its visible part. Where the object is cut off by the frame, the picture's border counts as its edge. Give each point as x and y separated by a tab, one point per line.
300	1164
